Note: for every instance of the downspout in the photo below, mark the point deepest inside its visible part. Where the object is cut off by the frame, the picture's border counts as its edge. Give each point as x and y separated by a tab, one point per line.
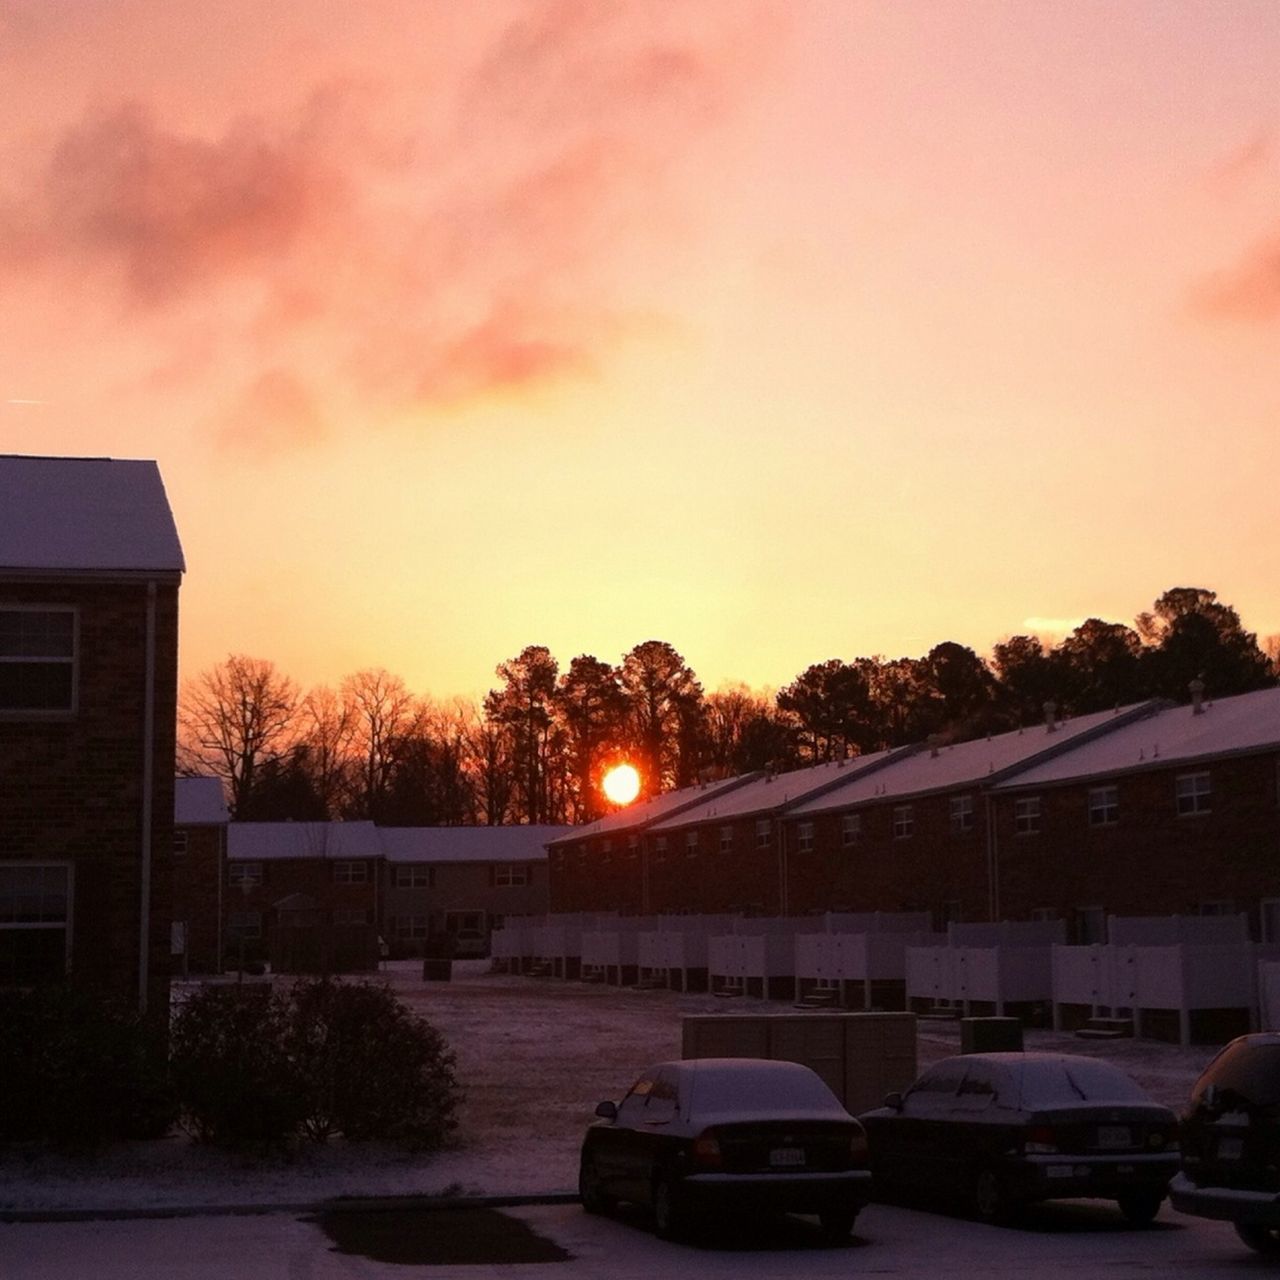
993	861
222	876
782	867
148	799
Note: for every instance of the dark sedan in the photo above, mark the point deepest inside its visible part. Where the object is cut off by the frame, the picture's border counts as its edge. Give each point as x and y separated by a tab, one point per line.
739	1135
1006	1129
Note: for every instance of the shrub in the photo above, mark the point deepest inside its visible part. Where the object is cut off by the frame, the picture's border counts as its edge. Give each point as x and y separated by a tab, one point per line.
79	1069
234	1078
369	1068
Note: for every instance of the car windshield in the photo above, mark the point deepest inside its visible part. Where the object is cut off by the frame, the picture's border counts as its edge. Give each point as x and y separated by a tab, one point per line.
759	1088
1061	1083
1251	1071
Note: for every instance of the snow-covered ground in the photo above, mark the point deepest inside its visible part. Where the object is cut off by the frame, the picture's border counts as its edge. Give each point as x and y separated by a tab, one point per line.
535	1056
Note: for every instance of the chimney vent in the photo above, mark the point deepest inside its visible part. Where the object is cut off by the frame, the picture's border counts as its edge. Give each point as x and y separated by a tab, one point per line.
1050	716
1197	696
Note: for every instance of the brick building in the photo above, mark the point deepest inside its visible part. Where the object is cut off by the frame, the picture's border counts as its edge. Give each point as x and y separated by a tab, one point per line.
1178	812
90	566
200	820
461	882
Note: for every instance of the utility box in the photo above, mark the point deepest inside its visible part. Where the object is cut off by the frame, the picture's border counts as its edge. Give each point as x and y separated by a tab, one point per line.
861	1056
990	1035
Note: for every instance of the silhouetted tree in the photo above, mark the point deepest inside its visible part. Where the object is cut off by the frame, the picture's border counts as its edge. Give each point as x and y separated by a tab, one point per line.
1027	678
831	703
592	710
234	718
382	711
525	706
284	791
664	712
1099	666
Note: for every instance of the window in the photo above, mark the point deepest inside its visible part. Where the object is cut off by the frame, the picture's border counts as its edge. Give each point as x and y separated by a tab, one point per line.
350	872
37	659
410	927
243	925
764	835
850	829
660	846
726	839
510	875
961	814
1192	793
633	847
690	844
1026	815
1104	806
606	846
1091	925
804	837
350	915
35	922
244	875
1216	907
904	822
414	876
179	843
1043	915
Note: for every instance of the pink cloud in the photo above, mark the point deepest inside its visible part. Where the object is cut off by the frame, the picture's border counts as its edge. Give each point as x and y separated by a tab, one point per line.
1248	291
275	414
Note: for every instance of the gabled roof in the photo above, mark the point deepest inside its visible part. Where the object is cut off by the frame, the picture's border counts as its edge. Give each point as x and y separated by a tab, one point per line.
269	841
1242	725
644	813
979	762
94	515
198	802
468	844
777	791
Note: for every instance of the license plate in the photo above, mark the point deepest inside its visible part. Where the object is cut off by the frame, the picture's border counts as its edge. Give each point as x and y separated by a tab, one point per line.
786	1157
1230	1148
1113	1136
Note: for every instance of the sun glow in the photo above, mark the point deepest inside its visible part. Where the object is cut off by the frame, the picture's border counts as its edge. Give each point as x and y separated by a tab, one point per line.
622	784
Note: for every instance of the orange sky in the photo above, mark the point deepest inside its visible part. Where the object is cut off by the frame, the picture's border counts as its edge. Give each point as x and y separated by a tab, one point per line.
779	331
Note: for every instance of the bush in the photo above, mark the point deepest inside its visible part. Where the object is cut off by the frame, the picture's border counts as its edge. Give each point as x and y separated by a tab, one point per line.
369	1068
79	1069
326	1057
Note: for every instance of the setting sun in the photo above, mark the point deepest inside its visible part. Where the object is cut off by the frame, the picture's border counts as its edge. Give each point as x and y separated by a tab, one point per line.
622	784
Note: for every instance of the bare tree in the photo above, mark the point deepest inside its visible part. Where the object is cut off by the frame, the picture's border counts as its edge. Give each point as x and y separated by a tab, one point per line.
383	710
233	719
328	731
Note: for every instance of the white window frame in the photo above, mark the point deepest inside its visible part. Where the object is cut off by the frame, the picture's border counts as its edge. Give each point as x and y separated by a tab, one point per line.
65	923
726	839
691	844
350	915
1104	805
46	713
510	875
181	842
962	814
764	833
411	928
1193	793
351	871
1027	814
904	821
850	829
804	837
244	874
660	844
244	925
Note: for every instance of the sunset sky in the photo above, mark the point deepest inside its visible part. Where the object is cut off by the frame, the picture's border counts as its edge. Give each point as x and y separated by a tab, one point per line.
779	331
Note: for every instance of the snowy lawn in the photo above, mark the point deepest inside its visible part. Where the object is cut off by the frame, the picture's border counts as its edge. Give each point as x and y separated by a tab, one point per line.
534	1056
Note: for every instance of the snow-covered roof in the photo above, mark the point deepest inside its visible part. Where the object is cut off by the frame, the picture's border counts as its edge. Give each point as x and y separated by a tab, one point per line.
1247	723
269	841
644	813
468	844
775	791
198	802
978	761
97	515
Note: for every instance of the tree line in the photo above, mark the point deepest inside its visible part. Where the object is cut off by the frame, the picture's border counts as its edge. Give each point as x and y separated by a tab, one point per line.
535	749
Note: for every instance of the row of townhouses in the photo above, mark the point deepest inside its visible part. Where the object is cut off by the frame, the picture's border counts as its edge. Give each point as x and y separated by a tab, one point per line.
1145	810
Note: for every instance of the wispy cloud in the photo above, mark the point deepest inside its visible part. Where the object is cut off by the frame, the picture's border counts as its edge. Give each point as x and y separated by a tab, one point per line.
1249	291
393	254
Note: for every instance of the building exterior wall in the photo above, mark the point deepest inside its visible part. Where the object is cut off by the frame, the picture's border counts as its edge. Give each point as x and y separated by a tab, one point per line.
1150	861
73	785
198	890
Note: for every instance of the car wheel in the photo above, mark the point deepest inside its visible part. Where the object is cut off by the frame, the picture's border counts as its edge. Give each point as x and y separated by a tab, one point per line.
670	1217
1259	1239
837	1222
1140	1207
991	1200
591	1190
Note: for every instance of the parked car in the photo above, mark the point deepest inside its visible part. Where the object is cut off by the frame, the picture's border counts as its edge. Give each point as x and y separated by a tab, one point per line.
738	1135
1007	1129
1231	1142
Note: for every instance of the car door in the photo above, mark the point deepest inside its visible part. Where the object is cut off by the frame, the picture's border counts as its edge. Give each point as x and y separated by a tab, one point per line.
656	1141
614	1145
970	1132
907	1144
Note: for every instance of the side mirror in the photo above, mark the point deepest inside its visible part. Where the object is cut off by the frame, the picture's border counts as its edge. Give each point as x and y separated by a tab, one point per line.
893	1101
607	1111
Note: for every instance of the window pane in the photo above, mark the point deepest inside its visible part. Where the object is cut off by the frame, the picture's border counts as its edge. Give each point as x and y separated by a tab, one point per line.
37	633
35	686
28	956
33	895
